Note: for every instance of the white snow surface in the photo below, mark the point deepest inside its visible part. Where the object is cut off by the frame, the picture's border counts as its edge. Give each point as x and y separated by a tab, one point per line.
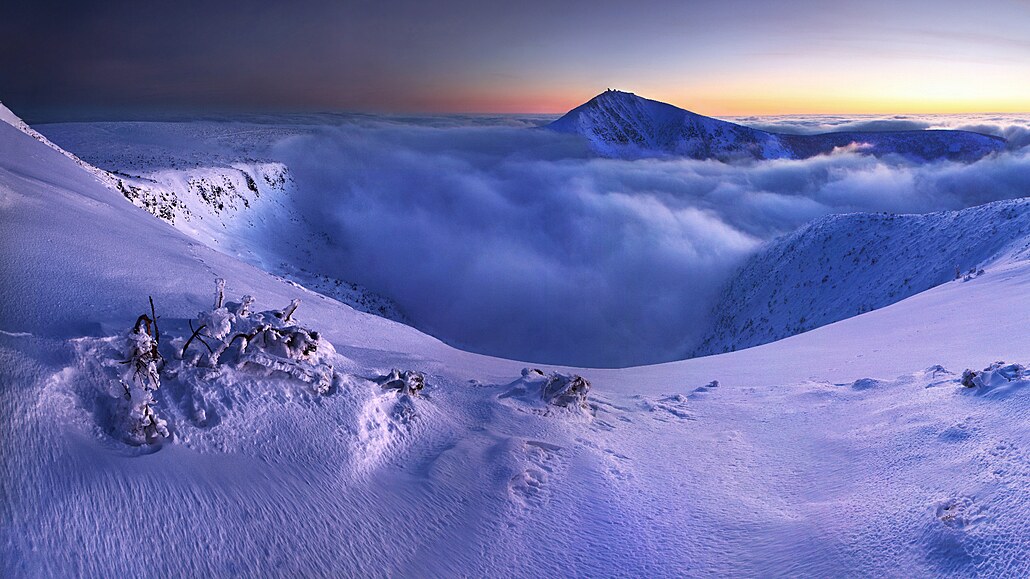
852	449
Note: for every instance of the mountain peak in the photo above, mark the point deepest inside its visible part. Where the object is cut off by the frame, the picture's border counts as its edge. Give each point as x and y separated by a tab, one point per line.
615	93
621	124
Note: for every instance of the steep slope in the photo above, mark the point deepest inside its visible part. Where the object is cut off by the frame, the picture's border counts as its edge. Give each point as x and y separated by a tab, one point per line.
844	265
621	124
918	475
227	201
8	116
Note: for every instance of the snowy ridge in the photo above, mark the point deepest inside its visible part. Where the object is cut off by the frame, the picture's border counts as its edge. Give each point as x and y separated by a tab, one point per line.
853	447
845	265
621	124
7	116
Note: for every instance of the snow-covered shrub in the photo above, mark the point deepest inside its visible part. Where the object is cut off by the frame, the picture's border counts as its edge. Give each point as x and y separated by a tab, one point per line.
998	379
142	379
408	382
269	340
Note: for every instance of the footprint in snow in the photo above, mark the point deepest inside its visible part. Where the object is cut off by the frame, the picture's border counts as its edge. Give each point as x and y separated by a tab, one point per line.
530	488
958	432
616	464
959	513
675	407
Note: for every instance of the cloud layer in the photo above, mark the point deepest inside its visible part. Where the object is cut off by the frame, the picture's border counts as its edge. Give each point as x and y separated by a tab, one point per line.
1014	128
516	242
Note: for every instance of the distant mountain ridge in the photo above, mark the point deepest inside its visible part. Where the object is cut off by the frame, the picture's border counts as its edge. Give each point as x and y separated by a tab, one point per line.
624	125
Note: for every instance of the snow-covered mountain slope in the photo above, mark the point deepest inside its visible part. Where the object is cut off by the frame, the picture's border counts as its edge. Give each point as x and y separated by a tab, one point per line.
230	201
177	195
8	116
844	265
853	448
621	124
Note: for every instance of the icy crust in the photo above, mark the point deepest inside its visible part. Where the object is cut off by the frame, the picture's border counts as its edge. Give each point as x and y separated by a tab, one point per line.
845	265
621	124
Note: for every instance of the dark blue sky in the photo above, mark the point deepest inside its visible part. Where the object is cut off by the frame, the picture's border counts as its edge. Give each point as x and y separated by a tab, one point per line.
714	56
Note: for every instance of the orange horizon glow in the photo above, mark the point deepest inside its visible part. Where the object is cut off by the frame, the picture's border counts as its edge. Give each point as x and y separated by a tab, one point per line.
711	103
739	107
822	86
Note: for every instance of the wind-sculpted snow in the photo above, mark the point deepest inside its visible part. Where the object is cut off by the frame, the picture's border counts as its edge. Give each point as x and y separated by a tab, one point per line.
852	449
846	265
621	124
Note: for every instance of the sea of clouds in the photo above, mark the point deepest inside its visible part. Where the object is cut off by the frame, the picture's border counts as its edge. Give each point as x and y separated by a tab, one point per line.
1014	128
510	240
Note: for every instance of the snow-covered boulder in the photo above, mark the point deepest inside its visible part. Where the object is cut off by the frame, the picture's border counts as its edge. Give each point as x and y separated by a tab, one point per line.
541	392
565	390
408	382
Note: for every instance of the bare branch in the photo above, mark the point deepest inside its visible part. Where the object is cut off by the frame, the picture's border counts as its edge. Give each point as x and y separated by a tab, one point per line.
153	314
142	319
194	335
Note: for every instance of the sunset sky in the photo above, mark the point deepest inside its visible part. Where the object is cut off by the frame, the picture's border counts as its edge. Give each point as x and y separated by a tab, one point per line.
718	57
